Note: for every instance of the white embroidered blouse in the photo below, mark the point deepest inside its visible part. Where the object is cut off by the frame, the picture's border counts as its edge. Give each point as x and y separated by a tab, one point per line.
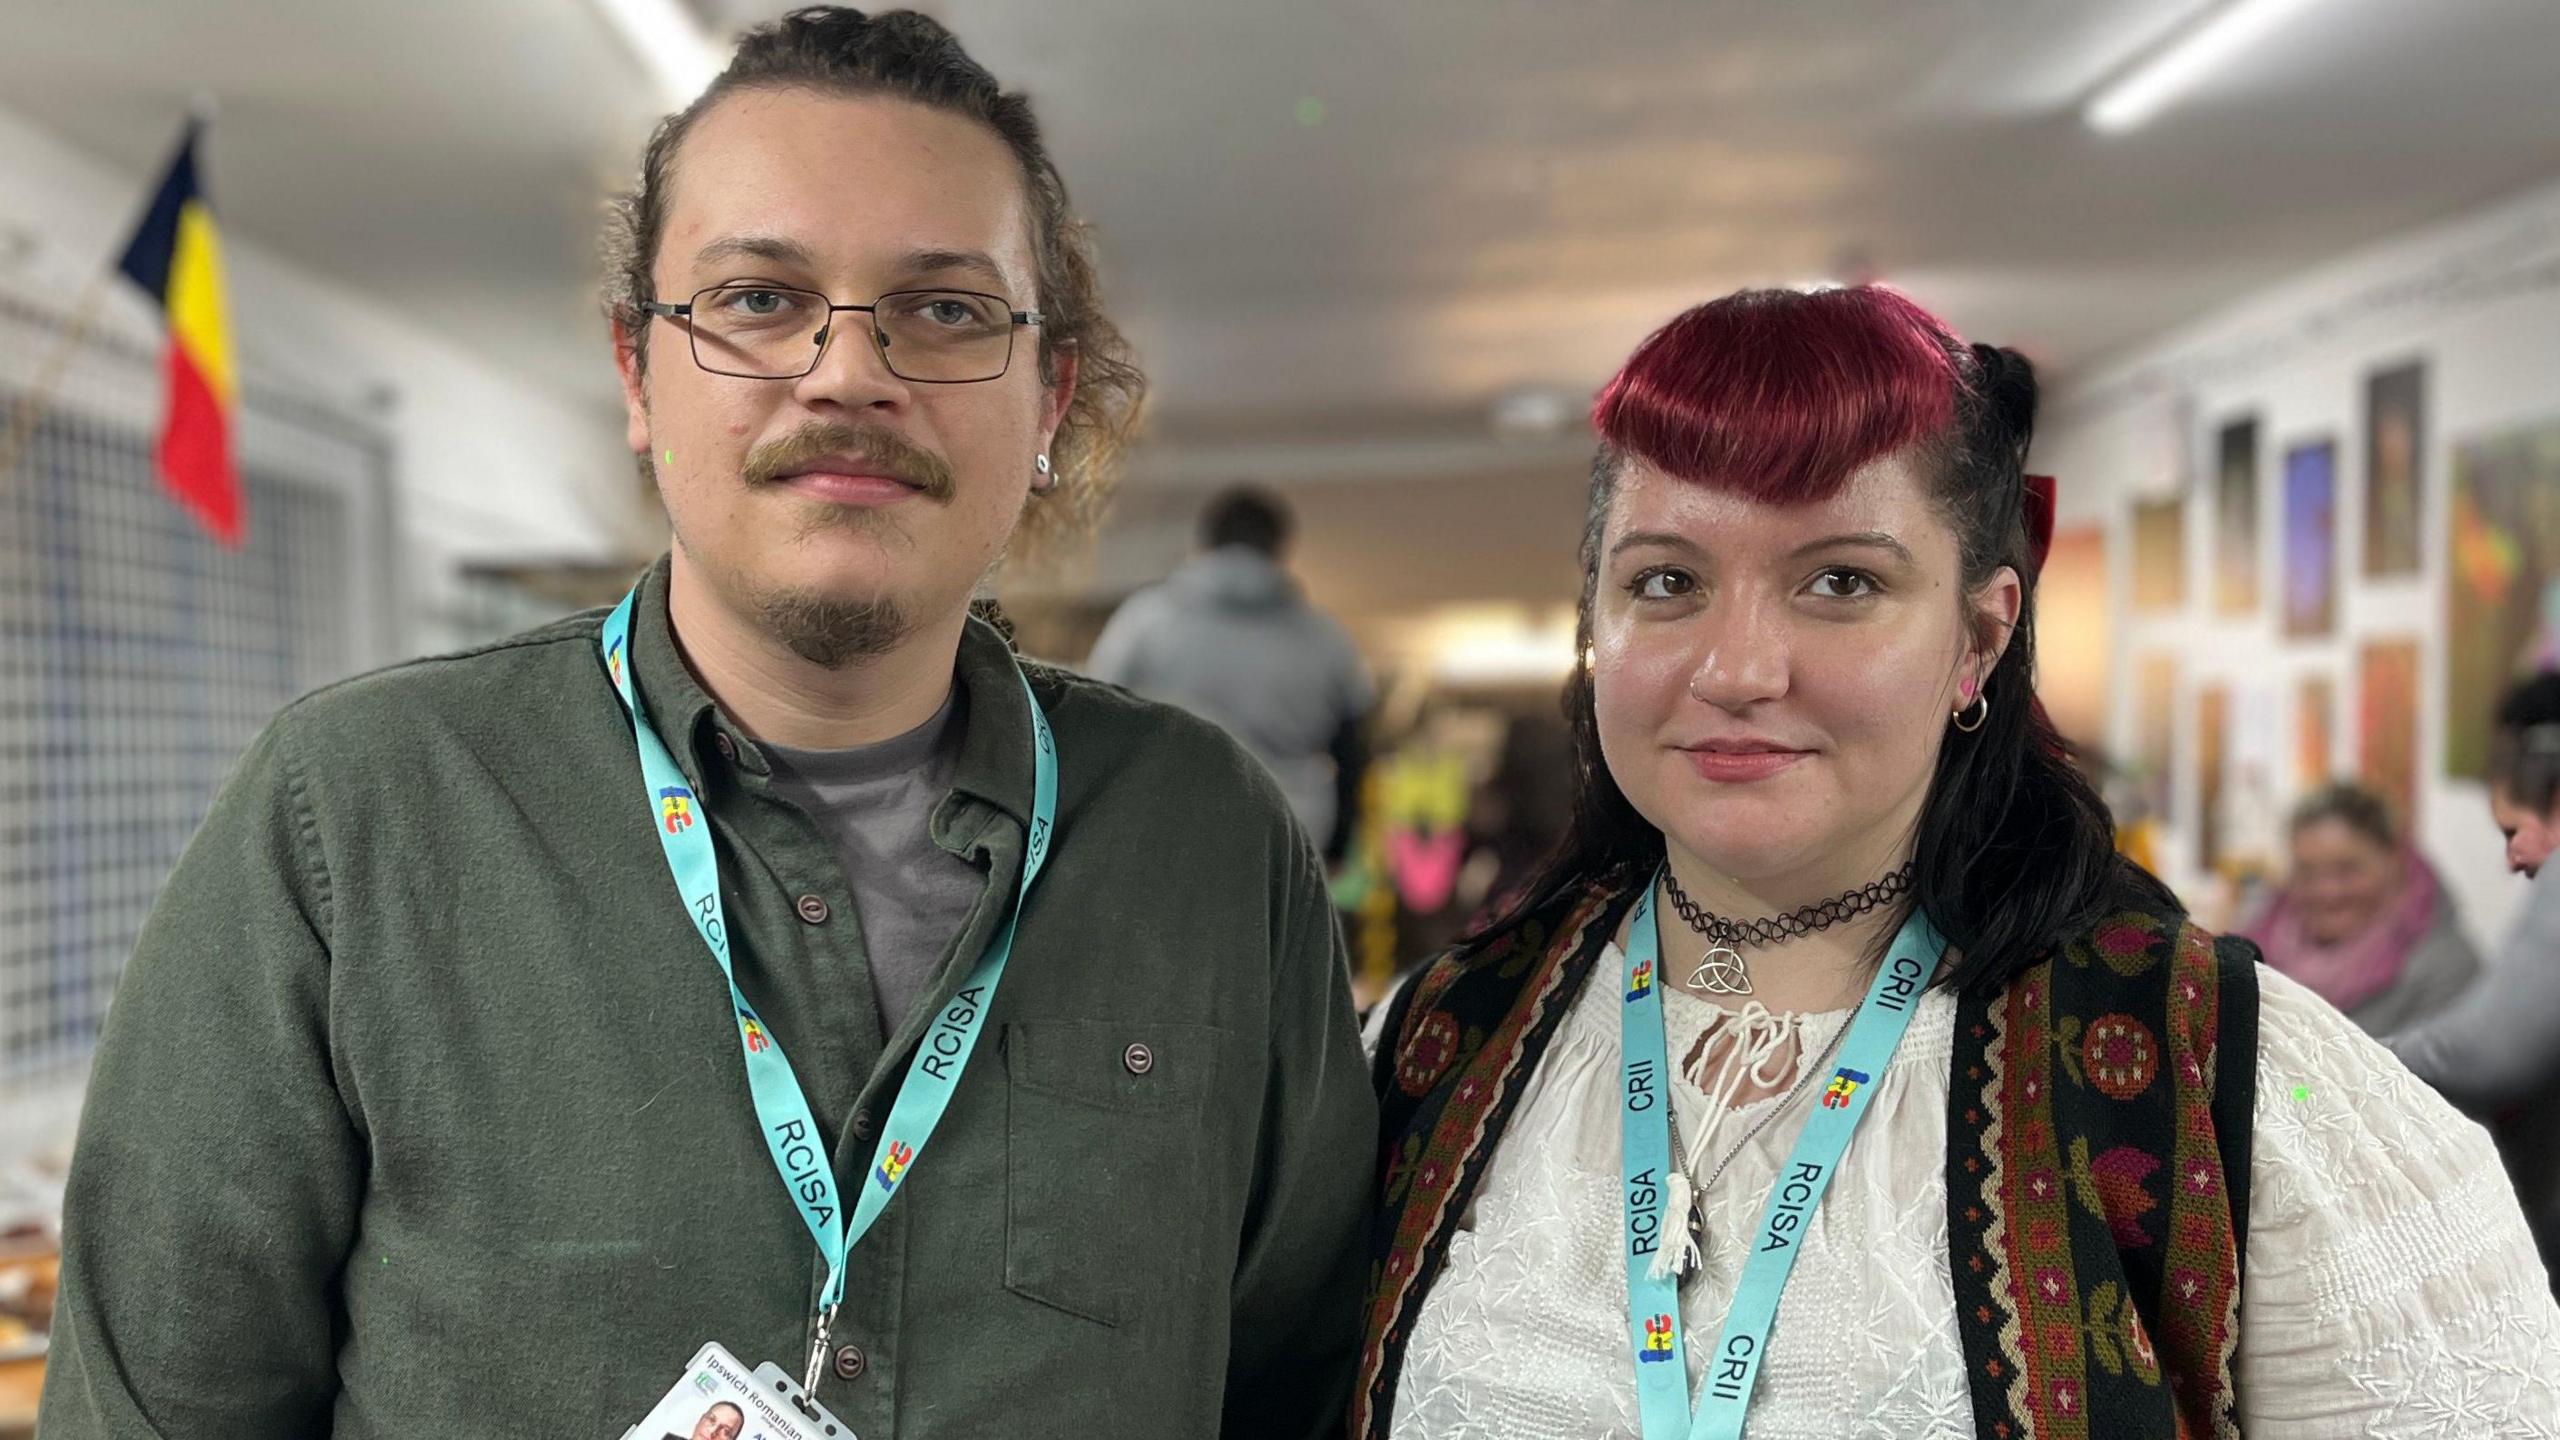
2391	1288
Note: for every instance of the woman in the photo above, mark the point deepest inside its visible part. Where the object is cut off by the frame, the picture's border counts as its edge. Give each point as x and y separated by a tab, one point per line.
2362	920
2496	1052
1831	874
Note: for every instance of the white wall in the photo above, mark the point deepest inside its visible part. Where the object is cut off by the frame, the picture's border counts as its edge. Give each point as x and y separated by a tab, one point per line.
487	466
2478	299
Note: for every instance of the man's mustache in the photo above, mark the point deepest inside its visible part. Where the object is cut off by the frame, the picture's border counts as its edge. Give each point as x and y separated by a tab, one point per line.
879	449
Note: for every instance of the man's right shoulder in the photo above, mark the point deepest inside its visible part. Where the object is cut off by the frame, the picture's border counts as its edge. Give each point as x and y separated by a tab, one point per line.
521	689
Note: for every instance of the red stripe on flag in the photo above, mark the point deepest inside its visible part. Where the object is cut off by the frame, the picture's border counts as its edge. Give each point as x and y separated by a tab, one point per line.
195	450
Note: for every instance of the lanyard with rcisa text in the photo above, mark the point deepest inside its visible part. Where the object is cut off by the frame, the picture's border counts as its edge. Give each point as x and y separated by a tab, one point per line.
798	1145
1653	1299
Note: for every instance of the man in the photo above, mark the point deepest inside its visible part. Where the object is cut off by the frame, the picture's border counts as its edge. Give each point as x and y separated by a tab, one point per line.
723	1421
1230	638
2496	1051
426	1100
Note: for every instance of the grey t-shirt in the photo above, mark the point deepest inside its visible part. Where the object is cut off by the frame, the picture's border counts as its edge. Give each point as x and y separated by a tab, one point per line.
876	804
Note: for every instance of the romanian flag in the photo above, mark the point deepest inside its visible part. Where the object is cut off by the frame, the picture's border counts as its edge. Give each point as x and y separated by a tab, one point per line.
177	258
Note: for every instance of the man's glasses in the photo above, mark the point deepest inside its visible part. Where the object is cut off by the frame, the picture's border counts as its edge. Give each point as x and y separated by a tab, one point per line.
771	332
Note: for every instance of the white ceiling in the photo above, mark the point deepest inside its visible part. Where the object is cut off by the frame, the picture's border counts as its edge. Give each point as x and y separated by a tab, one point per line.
1507	193
1500	194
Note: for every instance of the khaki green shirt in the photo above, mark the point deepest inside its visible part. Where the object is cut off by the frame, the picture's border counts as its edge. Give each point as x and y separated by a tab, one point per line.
420	1111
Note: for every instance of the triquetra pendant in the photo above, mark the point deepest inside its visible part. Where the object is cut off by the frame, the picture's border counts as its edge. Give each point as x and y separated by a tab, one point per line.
1721	973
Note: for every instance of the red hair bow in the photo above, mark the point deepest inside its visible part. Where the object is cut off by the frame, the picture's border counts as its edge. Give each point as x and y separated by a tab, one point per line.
2039	507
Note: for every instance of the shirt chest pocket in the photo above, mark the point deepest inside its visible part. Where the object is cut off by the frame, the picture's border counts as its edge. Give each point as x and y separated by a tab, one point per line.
1103	1137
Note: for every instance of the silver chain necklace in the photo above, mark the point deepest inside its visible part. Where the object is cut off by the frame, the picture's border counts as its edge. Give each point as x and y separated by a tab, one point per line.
1680	1154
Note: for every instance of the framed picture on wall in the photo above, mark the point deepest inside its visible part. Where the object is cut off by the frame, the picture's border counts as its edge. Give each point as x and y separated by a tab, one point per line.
2315	743
2503	580
2160	554
2311	540
2235	519
2387	725
2395	460
2213	759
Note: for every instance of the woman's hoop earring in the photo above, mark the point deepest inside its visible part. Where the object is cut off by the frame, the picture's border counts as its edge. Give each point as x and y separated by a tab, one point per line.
1980	710
1047	483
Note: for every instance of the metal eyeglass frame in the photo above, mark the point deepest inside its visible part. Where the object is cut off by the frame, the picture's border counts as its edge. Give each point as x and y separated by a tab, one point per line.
827	331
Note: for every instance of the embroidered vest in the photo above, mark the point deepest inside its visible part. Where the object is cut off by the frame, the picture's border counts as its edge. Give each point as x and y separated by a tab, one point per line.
2098	1127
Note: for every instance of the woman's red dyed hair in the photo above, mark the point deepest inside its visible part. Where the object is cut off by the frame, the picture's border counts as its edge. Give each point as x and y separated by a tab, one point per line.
1782	394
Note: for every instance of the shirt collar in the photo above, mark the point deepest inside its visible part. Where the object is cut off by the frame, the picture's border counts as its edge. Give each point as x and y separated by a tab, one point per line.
995	754
683	712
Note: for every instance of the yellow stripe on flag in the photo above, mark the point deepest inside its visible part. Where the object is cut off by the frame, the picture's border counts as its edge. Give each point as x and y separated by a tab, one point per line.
196	316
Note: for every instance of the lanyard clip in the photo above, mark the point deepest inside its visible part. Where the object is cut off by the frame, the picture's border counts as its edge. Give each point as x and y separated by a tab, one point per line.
806	1399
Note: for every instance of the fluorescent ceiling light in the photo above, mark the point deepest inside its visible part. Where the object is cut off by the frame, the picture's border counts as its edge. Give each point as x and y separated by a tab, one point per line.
2142	92
664	35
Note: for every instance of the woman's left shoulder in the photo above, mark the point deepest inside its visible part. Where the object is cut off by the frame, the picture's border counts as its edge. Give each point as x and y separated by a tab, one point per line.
2386	1254
2344	1134
2330	1094
2345	1137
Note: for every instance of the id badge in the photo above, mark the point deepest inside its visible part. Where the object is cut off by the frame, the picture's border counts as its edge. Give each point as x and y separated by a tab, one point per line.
721	1399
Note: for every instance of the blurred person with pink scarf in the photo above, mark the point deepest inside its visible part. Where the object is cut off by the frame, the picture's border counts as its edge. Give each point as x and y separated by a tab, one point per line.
2362	920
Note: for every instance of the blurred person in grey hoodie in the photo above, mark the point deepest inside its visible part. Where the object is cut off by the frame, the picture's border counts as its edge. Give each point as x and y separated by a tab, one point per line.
1231	638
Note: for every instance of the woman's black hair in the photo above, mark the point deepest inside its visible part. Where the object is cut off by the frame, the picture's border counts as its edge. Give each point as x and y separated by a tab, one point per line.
2524	756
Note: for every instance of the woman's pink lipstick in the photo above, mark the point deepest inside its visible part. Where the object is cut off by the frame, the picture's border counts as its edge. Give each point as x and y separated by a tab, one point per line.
1742	765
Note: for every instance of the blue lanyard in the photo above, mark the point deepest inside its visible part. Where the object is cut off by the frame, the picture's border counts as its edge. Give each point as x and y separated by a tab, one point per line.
798	1146
1653	1304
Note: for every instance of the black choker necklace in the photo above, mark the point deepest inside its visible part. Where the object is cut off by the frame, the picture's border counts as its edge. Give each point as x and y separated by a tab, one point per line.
1722	972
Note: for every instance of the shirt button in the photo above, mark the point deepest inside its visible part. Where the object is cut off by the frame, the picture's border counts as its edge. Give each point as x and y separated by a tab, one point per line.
1139	1059
850	1363
861	1124
813	909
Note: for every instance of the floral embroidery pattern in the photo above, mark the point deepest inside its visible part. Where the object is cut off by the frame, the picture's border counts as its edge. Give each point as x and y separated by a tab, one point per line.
1426	1057
2120	1056
2082	1296
2115	1185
